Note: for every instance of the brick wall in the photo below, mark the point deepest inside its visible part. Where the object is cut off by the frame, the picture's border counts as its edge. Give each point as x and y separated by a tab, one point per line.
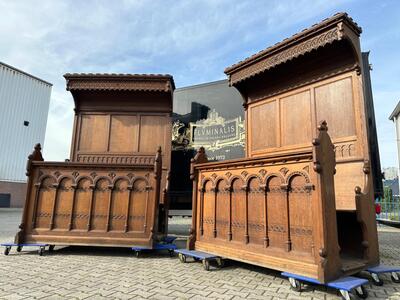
17	191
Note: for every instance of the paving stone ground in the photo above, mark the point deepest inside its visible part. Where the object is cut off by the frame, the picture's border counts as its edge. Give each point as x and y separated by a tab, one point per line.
108	273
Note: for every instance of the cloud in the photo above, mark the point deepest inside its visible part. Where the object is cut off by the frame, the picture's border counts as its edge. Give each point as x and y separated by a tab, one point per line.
192	40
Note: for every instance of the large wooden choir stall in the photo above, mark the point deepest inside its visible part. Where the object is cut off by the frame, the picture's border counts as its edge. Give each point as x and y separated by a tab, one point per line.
112	191
282	207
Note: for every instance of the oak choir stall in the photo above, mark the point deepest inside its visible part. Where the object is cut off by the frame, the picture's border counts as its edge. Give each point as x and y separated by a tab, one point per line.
282	207
301	201
112	192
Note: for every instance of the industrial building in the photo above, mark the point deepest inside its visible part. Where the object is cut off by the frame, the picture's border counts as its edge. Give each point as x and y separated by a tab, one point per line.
24	106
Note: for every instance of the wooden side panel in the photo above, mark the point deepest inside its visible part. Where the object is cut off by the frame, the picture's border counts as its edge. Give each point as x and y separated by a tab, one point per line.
222	210
256	215
101	200
63	204
124	133
296	119
276	198
301	218
81	209
238	211
94	133
208	211
119	205
46	196
264	136
137	213
335	104
152	133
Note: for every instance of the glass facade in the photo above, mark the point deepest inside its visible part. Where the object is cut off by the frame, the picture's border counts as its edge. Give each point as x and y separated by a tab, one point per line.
209	115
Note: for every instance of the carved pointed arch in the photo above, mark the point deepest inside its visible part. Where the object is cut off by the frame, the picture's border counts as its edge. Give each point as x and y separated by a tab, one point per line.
44	177
205	180
82	177
253	176
236	177
100	178
272	175
63	177
117	178
139	178
297	173
219	179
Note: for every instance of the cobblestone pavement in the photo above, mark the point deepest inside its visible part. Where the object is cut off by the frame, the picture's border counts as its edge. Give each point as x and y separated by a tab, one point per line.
106	273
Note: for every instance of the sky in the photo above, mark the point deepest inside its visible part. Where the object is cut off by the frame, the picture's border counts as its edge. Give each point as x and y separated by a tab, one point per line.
192	40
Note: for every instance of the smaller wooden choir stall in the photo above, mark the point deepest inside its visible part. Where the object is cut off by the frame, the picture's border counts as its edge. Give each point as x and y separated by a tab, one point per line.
282	207
112	190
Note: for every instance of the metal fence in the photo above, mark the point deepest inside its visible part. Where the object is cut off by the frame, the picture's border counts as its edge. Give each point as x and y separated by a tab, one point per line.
390	208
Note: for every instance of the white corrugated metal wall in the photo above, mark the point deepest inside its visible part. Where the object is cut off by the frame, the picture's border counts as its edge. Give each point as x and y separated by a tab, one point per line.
22	98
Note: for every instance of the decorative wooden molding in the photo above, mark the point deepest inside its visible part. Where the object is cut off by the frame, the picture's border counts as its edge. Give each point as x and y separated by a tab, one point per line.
336	28
116	159
120	82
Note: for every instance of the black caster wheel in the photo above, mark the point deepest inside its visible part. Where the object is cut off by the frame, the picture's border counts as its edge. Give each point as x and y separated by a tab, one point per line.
19	248
206	265
395	277
137	253
171	253
182	258
196	259
220	262
51	248
361	292
295	284
7	250
41	250
376	280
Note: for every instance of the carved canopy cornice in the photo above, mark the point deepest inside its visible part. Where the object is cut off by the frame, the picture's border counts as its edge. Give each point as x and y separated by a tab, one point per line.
336	28
120	82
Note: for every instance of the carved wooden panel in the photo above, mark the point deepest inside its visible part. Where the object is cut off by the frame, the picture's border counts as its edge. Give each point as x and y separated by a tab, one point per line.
266	114
92	204
296	119
124	133
274	211
335	104
93	133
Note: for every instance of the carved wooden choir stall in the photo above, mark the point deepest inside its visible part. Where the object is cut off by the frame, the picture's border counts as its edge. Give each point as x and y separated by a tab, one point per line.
112	191
282	207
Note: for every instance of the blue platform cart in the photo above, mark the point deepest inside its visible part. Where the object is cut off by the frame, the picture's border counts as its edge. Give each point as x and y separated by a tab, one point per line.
205	258
165	244
381	269
41	247
344	285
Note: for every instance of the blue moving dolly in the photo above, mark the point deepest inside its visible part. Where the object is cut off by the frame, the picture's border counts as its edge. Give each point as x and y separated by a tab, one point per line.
198	255
157	247
375	271
42	247
345	285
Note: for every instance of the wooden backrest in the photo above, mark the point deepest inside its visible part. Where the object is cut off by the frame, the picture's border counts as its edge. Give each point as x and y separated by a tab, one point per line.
121	119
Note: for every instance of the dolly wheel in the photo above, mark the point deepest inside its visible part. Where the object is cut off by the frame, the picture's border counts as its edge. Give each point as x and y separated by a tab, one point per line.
19	248
137	253
220	262
345	295
206	265
361	292
41	250
295	284
376	280
51	248
395	277
182	257
7	250
171	252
